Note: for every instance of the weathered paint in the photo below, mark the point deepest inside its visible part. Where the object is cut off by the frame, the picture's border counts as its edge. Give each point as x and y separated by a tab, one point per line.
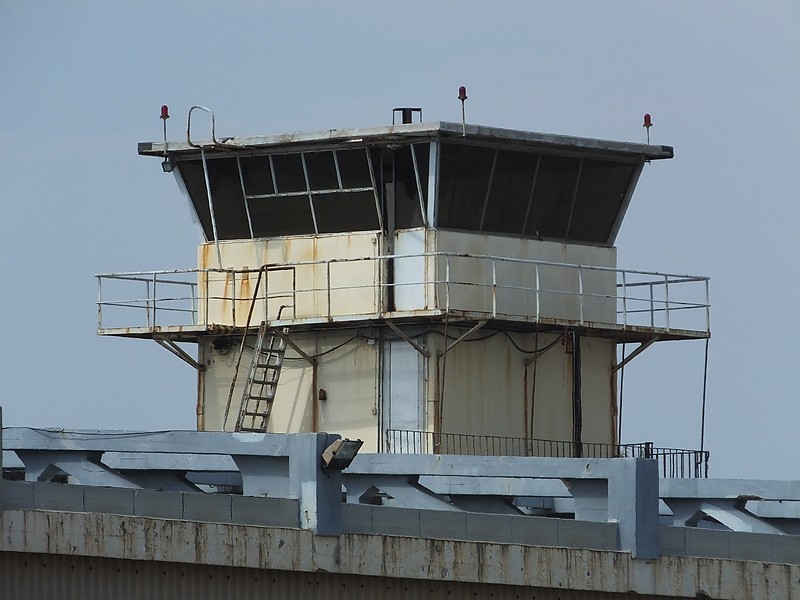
485	388
560	285
173	541
307	290
68	577
347	369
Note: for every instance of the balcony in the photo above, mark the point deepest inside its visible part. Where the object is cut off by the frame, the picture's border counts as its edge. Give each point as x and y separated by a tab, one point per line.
626	304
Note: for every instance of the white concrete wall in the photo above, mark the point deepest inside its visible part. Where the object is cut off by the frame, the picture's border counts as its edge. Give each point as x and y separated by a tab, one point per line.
349	376
558	285
488	390
353	285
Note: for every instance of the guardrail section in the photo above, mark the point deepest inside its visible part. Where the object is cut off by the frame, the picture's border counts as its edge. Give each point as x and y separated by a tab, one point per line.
672	462
428	283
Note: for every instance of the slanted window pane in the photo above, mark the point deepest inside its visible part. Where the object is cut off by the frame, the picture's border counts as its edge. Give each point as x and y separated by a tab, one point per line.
464	179
353	211
601	191
256	175
321	171
407	205
354	168
281	216
192	174
552	198
226	193
511	190
289	173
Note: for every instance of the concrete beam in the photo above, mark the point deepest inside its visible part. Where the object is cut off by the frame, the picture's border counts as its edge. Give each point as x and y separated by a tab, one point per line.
390	557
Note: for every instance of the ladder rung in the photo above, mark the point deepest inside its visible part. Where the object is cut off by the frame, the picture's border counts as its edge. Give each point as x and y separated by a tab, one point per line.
255	414
265	381
273	350
268	366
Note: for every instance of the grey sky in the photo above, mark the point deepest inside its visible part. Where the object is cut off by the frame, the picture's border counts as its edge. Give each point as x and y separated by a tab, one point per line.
82	82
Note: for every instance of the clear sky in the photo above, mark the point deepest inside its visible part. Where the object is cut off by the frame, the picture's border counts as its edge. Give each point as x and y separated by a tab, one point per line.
82	82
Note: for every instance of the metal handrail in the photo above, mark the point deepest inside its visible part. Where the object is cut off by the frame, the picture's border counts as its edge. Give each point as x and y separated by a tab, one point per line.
660	300
672	462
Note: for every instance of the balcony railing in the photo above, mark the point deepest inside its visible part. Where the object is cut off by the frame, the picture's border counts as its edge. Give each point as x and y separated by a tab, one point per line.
429	283
672	462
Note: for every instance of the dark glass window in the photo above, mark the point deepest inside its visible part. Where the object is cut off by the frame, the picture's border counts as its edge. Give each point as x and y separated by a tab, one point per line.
354	168
338	213
192	174
463	182
289	175
532	194
285	215
601	192
407	205
321	171
226	192
510	192
552	197
256	175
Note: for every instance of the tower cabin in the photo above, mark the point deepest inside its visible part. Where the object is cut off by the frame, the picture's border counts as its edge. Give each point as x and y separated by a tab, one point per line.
425	287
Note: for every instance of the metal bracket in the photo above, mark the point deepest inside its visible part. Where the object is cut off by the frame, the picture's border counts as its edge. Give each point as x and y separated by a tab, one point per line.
475	328
178	351
414	344
311	360
642	347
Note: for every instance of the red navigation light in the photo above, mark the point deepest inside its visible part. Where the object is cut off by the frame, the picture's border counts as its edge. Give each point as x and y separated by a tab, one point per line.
648	121
462	93
164	112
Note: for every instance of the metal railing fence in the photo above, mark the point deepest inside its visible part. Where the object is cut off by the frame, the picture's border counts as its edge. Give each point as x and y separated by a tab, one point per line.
493	286
672	462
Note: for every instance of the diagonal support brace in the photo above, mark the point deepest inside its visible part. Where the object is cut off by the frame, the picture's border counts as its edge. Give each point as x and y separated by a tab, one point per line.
642	347
311	360
414	344
475	328
179	352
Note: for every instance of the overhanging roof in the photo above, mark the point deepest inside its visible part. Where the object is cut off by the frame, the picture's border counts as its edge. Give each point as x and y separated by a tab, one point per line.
409	132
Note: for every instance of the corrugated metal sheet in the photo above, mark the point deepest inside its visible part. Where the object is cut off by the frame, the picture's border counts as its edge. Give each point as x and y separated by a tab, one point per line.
44	577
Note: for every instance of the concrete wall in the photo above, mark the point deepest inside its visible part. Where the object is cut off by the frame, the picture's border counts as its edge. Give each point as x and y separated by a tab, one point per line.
304	289
558	285
348	373
489	389
432	559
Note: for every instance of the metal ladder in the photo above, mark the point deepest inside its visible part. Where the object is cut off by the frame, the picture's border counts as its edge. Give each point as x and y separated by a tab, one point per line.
262	380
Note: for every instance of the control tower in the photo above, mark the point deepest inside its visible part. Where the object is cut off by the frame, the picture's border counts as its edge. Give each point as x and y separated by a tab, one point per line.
425	286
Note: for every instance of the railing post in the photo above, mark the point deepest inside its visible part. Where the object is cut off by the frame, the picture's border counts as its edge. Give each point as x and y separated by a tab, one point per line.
494	288
648	449
652	308
538	287
708	309
99	303
147	303
155	300
208	273
666	298
447	283
580	291
195	304
624	301
233	300
328	275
